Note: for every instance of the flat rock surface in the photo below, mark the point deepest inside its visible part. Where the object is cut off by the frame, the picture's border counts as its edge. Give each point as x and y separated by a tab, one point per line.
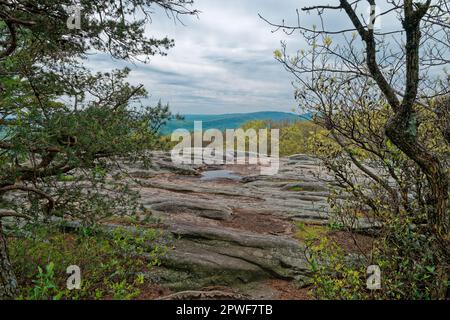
235	229
237	232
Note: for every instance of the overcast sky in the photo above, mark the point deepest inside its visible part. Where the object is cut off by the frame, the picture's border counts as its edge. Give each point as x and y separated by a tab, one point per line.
223	61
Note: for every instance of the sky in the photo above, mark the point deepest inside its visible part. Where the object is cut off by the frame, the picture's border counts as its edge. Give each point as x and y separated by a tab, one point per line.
223	60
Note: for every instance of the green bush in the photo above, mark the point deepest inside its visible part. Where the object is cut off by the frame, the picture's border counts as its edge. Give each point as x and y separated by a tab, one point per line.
406	257
112	264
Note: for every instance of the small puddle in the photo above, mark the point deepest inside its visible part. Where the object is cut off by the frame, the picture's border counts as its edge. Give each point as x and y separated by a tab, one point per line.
219	174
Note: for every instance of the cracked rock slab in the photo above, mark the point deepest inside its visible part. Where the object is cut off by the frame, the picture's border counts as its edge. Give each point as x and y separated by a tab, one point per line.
199	208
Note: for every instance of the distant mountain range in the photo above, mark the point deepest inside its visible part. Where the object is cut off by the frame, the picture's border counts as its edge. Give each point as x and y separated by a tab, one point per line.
229	121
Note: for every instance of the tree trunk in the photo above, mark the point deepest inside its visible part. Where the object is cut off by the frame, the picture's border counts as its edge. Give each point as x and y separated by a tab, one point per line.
437	193
402	128
8	282
398	130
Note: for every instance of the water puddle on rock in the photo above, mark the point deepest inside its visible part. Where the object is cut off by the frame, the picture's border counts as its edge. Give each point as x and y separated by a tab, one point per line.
219	174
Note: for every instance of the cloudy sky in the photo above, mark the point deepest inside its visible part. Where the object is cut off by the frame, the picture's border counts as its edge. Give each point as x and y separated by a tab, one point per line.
223	60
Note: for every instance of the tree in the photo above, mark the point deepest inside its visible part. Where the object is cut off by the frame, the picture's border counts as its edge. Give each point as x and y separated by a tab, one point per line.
382	95
294	136
62	127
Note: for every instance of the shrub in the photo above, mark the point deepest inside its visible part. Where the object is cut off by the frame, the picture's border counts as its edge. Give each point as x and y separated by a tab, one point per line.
113	264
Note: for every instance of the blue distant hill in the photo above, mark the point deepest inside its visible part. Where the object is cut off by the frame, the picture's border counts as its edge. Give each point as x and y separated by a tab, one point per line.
229	121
